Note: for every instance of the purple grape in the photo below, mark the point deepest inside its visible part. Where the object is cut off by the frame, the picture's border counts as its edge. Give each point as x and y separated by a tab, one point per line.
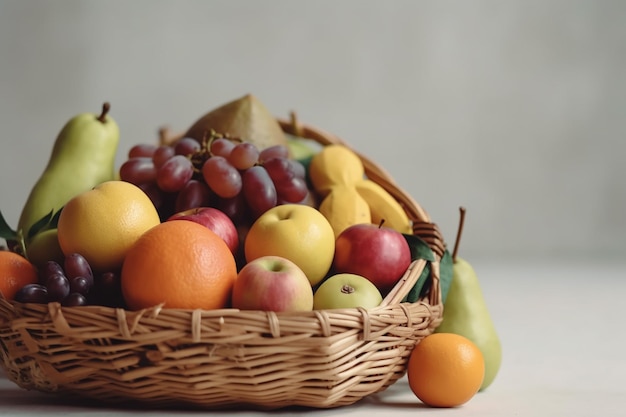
141	150
75	300
77	266
259	190
154	193
223	178
276	151
221	147
162	154
32	293
80	285
235	208
186	146
298	168
138	170
174	173
58	287
49	268
244	155
292	191
194	194
279	169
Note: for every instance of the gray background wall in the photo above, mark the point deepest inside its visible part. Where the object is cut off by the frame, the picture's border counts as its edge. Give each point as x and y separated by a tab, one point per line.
513	109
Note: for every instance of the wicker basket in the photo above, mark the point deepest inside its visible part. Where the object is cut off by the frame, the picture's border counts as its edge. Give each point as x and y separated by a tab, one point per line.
227	358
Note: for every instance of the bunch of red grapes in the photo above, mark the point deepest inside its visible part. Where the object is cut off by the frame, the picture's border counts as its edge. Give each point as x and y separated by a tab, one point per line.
226	173
73	284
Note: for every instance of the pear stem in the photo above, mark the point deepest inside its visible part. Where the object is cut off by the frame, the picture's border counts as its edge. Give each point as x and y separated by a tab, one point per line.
295	124
105	109
459	233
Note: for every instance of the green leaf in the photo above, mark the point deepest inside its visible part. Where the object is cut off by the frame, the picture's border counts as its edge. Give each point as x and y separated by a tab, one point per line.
40	225
419	248
423	284
54	222
5	230
415	293
445	274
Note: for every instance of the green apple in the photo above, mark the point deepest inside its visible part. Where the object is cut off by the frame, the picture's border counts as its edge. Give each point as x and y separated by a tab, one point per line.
346	291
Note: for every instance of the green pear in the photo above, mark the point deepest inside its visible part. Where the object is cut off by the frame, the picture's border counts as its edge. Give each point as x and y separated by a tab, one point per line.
302	149
465	313
82	157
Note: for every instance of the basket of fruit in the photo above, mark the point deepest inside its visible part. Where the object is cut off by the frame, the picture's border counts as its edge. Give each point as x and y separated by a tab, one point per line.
250	261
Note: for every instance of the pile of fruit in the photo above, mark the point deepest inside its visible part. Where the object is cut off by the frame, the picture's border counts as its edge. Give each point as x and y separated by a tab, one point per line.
234	213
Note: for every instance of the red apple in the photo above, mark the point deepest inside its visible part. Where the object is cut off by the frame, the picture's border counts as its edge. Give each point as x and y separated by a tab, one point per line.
272	283
215	220
378	253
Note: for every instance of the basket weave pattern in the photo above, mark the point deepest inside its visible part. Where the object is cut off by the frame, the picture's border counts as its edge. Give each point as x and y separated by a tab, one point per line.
226	358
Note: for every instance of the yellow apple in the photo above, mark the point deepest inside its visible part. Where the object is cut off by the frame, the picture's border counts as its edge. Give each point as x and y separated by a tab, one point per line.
297	232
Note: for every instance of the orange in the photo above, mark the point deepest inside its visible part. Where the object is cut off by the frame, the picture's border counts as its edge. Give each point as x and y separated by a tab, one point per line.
180	264
15	272
445	370
103	223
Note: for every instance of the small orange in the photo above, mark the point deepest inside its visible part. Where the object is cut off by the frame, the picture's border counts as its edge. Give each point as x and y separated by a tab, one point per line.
445	370
181	264
15	272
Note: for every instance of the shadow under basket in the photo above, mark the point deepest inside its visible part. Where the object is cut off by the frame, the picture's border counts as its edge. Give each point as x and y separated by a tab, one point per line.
227	358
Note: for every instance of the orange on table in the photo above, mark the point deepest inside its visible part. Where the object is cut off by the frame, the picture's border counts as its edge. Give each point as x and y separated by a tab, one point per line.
181	264
15	272
445	370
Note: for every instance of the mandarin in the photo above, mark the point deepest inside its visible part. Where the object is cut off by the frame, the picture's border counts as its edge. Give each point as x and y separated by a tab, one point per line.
179	264
15	272
445	370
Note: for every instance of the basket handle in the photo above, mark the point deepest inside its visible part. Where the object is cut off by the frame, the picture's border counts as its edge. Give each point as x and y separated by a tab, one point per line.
408	280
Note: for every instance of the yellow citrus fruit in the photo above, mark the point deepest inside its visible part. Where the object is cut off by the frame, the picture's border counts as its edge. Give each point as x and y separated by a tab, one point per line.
103	223
181	264
445	370
335	165
15	272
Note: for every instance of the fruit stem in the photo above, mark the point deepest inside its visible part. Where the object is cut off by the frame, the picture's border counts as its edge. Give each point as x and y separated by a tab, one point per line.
380	225
459	233
295	124
105	109
347	289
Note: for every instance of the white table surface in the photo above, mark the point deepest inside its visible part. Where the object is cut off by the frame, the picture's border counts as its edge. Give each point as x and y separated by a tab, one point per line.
562	327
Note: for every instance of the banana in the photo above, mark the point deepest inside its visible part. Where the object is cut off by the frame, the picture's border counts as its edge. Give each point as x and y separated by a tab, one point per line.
383	206
344	207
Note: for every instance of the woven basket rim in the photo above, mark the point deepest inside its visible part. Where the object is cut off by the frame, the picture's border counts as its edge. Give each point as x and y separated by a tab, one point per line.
386	334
